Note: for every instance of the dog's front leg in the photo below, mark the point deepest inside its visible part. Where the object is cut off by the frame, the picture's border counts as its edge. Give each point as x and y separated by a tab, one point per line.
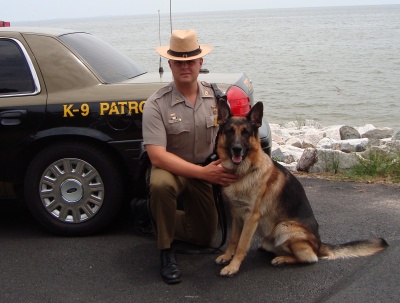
249	228
233	242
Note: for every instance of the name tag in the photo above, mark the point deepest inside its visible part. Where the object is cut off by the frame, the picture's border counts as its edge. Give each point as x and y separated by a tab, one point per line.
174	119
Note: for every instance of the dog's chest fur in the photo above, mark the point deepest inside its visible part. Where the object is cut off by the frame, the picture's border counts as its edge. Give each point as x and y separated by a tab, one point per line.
243	195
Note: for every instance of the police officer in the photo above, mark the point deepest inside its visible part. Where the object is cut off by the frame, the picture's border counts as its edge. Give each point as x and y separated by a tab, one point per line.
179	130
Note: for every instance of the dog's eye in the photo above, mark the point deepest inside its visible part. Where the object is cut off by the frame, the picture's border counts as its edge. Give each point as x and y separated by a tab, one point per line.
230	131
245	132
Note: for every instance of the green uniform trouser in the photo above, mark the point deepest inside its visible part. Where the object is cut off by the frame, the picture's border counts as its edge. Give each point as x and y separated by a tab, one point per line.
196	224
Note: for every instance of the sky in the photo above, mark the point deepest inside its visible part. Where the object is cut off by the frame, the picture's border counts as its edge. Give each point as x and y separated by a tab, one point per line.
27	10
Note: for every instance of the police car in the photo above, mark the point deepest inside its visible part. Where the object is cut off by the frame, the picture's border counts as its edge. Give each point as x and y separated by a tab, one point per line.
70	125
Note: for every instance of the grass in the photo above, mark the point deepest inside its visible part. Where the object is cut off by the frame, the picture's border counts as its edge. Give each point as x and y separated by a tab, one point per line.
378	166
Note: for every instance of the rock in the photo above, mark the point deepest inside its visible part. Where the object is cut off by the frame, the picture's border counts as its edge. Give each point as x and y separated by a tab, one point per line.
274	126
305	122
396	136
363	129
294	142
313	123
348	132
282	133
384	141
312	137
378	133
326	143
334	161
332	132
393	146
351	145
289	166
292	124
307	146
307	159
278	139
286	154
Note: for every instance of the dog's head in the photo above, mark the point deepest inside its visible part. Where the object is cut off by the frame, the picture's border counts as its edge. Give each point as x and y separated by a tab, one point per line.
238	136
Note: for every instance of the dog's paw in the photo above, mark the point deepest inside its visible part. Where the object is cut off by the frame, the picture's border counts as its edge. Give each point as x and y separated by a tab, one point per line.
279	261
222	260
229	271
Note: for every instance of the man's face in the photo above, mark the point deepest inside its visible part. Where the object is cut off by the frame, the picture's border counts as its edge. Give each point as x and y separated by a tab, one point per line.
185	71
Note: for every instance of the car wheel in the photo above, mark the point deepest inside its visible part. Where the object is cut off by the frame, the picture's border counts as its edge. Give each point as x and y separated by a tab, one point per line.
73	188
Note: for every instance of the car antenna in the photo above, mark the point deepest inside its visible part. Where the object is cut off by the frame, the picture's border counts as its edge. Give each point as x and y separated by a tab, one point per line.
160	69
170	15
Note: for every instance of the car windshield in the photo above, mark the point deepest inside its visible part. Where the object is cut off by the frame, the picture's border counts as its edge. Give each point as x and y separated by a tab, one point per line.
107	63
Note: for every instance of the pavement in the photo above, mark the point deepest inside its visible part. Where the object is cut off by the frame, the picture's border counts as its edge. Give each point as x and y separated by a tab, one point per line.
119	266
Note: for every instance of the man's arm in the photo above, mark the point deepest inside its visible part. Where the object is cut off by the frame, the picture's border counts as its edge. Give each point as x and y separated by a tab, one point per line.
213	173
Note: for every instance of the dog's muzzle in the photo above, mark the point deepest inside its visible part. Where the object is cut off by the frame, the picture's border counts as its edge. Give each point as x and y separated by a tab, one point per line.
237	154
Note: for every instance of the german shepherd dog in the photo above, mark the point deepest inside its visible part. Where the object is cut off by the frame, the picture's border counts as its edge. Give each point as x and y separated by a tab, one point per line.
268	198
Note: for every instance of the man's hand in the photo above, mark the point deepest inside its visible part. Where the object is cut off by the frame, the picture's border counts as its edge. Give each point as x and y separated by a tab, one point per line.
217	174
213	172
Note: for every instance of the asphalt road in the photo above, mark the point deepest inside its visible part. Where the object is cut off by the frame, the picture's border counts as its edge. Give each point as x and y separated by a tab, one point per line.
118	266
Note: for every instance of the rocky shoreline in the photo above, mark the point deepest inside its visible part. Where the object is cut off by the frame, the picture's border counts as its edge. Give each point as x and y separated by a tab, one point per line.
308	146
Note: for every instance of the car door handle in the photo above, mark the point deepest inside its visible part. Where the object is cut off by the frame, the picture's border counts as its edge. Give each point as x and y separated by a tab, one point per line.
12	117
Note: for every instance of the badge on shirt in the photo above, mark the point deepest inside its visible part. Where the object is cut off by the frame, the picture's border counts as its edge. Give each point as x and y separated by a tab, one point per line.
216	121
215	113
173	118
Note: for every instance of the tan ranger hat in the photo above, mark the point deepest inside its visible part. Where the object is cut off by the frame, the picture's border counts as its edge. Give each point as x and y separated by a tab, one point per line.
184	46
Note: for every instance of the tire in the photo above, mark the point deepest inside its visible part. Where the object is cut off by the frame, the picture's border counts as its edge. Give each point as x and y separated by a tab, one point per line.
73	188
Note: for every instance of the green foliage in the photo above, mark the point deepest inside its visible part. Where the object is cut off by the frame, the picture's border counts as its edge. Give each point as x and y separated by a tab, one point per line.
378	164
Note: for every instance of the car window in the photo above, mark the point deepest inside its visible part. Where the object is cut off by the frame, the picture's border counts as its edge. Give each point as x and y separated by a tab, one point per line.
108	63
15	72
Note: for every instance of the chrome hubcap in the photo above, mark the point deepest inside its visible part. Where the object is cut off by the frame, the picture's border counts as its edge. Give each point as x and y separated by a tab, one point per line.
71	190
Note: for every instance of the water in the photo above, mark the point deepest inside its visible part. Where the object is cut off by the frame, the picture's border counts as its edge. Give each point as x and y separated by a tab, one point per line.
337	65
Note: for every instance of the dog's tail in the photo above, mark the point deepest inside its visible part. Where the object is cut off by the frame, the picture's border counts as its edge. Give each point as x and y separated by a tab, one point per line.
352	249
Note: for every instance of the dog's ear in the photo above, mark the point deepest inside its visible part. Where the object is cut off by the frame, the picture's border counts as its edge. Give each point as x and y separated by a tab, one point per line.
224	111
255	114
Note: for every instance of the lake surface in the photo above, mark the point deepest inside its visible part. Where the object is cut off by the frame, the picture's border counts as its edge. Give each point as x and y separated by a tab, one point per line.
337	65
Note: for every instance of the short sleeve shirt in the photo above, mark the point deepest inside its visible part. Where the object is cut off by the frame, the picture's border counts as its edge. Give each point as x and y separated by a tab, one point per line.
185	130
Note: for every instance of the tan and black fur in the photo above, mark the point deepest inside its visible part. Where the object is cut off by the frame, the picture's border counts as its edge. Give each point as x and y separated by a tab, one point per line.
269	199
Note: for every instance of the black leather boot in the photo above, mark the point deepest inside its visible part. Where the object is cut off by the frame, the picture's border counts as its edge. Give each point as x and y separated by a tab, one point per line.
142	224
169	267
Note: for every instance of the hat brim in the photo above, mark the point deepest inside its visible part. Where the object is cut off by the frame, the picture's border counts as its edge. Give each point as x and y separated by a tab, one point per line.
163	51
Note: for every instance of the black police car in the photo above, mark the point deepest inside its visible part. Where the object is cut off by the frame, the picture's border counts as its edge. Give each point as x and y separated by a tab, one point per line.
70	125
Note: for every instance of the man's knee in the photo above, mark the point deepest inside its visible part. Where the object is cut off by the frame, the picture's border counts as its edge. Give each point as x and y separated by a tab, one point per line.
162	182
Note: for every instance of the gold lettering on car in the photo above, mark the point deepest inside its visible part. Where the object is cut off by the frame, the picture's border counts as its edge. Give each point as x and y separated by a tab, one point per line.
122	105
67	110
113	109
85	109
133	107
104	109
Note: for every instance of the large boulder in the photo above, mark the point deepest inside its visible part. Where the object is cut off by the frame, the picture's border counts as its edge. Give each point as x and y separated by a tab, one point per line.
374	135
351	145
307	159
286	153
334	161
348	132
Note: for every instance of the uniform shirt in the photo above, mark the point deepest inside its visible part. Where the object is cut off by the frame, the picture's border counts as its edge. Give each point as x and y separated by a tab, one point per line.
185	130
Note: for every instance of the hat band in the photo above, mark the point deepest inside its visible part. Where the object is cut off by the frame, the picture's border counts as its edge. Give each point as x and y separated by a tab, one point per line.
184	54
